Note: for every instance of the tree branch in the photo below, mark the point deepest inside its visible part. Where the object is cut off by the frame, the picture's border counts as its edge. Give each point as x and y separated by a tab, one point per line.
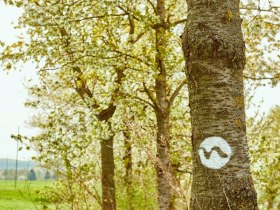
178	22
97	17
153	6
141	99
137	38
156	106
131	56
277	76
259	9
127	13
107	113
176	92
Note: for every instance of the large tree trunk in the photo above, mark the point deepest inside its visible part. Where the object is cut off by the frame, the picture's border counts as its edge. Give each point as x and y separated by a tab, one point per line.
215	55
107	174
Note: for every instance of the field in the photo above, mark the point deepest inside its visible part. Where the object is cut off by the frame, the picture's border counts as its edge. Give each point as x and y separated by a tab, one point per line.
24	197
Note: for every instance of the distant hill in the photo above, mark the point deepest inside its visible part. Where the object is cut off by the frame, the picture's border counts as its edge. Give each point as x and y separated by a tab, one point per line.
11	163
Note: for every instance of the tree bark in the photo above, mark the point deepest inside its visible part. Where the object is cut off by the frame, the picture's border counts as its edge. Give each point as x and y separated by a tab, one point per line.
107	162
107	151
107	174
164	166
127	159
215	56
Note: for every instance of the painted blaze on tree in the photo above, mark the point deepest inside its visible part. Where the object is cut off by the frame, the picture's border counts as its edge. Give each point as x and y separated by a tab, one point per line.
215	56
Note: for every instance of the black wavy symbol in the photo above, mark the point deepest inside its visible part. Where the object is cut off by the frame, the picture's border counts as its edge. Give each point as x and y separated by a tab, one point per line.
217	149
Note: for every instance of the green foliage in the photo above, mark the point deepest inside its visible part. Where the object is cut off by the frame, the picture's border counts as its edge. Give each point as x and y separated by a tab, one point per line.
67	36
264	139
24	197
91	54
261	35
143	195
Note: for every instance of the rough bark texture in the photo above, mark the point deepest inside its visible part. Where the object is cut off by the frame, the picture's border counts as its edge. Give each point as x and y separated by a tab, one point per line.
107	174
214	51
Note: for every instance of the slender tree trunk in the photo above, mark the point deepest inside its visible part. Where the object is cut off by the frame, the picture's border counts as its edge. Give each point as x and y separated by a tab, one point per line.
107	152
164	166
107	162
107	174
127	159
215	56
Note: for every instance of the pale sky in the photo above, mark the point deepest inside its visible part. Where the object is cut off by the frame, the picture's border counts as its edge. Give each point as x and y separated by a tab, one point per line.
13	94
13	114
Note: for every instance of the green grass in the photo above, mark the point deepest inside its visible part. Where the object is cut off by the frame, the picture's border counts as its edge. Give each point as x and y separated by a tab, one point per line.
26	196
23	197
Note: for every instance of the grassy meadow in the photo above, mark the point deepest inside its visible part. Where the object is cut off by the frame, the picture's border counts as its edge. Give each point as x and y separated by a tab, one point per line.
24	197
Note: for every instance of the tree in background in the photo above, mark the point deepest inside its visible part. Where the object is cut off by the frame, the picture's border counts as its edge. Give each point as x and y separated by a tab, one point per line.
69	156
153	68
31	176
214	50
54	176
264	141
47	175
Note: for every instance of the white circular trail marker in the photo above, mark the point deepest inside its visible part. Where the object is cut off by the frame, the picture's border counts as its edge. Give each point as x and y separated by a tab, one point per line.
214	152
